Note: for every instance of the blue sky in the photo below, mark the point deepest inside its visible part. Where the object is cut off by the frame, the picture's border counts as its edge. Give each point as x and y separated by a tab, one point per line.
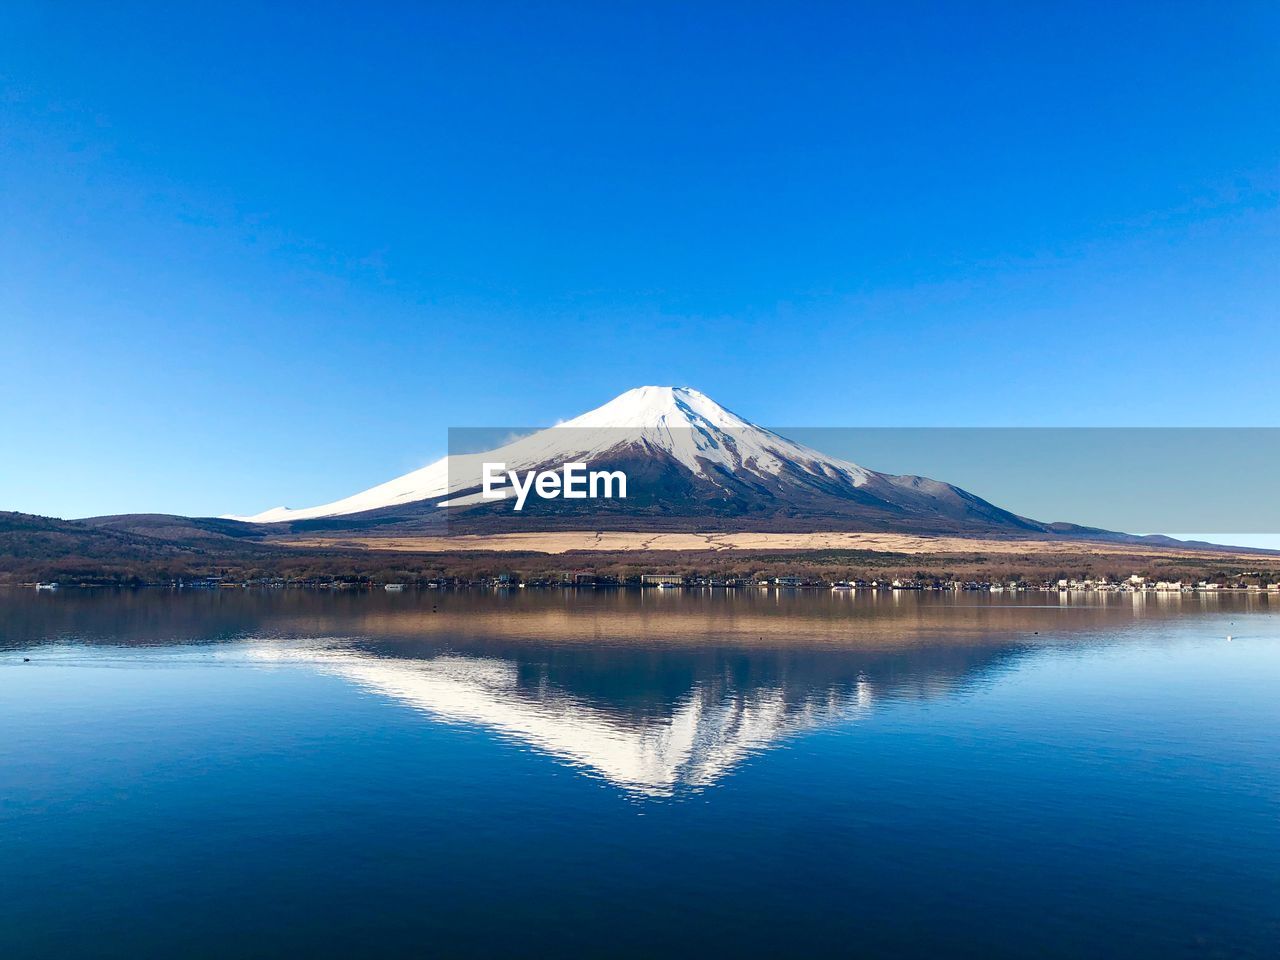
258	256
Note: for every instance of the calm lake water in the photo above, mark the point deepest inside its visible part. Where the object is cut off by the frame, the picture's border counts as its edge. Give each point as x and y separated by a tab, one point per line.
218	774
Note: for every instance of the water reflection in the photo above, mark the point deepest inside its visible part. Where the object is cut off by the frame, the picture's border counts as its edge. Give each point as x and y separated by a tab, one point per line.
654	752
655	694
603	618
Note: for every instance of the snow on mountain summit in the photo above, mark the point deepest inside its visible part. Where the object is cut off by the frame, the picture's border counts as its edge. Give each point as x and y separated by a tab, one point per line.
651	407
682	423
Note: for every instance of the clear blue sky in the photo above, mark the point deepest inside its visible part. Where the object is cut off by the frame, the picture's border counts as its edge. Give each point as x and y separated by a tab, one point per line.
257	256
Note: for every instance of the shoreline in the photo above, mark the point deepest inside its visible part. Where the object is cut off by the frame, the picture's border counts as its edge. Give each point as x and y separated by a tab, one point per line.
555	543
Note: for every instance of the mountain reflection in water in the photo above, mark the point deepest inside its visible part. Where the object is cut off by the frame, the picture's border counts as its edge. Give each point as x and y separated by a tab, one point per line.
653	692
691	743
618	773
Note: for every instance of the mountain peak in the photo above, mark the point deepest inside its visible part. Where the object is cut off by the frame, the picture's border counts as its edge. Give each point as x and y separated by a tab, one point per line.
657	407
681	424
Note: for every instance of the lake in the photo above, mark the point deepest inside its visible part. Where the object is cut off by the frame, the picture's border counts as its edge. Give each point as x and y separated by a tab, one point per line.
638	773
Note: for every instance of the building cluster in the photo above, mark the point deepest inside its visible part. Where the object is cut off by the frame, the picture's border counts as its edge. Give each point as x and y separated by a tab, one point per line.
1140	584
1251	582
1133	584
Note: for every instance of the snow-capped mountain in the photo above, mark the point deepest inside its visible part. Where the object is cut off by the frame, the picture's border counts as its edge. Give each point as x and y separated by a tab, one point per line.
686	458
685	425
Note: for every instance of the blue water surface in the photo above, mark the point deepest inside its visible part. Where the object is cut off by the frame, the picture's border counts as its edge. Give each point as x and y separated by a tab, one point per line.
617	773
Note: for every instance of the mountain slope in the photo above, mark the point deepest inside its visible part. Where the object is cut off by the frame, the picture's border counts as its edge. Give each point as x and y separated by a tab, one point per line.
690	464
684	425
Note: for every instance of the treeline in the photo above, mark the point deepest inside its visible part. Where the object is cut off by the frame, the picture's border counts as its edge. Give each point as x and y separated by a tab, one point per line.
386	567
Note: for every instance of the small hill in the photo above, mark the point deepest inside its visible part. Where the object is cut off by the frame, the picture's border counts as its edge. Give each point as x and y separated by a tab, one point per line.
113	549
